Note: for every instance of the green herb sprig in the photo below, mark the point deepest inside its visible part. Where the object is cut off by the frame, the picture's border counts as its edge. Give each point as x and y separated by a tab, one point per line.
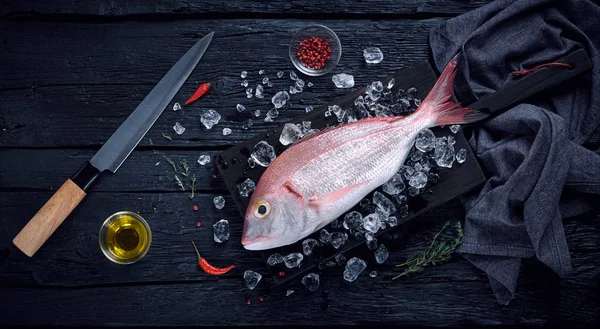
166	136
179	182
193	187
172	163
437	253
185	166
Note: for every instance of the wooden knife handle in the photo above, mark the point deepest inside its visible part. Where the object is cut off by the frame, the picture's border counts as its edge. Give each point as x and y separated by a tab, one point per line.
49	218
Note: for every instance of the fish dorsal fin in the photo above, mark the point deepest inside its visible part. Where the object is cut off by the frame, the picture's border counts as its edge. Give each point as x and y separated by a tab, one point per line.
362	121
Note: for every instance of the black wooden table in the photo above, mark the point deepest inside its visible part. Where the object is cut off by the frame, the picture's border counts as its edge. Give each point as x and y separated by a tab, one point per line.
72	71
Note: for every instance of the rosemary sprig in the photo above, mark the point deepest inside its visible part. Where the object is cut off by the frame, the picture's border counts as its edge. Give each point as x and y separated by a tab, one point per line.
193	188
437	253
179	182
185	166
166	136
172	163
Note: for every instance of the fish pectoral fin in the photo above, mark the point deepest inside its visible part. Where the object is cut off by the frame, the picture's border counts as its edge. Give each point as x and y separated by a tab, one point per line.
321	203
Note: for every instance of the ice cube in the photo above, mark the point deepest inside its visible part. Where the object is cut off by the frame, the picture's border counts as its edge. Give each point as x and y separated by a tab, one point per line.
240	108
391	83
290	134
324	236
392	221
343	80
257	113
204	159
372	223
353	220
412	191
280	74
308	108
280	99
406	171
400	199
263	154
402	212
293	90
308	245
382	111
275	259
261	72
340	259
311	281
293	260
454	128
369	236
461	155
251	163
444	155
339	113
244	74
418	180
179	129
372	244
265	80
293	75
416	156
338	239
359	100
219	202
270	84
425	140
221	231
299	83
305	127
247	124
354	268
272	113
209	118
377	86
226	131
451	140
251	279
249	91
289	291
259	92
411	93
373	274
331	264
244	83
381	254
246	187
383	203
433	177
309	84
176	107
372	55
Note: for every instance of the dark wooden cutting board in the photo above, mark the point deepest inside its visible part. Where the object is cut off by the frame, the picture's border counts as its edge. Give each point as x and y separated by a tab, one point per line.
453	182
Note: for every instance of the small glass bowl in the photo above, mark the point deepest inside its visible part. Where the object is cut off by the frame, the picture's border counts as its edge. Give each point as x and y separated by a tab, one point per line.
319	31
133	220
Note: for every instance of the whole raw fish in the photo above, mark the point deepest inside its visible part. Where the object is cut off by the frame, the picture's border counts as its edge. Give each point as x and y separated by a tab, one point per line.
324	175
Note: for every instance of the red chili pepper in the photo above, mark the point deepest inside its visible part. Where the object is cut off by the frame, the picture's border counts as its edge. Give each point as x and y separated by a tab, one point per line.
201	91
212	270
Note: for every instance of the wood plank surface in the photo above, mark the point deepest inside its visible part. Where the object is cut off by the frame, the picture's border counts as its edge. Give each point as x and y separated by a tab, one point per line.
111	8
86	87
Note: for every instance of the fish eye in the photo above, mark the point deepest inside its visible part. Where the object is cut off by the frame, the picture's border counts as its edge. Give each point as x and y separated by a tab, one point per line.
262	209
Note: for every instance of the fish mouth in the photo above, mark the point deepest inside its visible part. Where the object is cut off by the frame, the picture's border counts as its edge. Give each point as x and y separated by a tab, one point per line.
258	243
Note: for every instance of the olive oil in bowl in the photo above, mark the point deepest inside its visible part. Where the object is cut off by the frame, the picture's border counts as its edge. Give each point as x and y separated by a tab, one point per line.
125	237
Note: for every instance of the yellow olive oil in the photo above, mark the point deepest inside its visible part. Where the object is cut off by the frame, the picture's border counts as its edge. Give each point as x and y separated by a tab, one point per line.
126	237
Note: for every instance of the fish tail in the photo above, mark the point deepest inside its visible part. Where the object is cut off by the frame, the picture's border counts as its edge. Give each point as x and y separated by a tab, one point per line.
446	112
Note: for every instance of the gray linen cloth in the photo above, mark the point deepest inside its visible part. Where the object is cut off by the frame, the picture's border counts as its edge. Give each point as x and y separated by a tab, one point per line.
536	155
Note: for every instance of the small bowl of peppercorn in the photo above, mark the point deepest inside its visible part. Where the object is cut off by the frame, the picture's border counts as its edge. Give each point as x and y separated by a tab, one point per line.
315	50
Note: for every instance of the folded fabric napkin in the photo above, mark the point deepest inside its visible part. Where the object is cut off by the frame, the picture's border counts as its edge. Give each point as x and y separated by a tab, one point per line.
536	155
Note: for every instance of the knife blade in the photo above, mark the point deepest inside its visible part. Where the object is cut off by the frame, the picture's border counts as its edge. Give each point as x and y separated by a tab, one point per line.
111	155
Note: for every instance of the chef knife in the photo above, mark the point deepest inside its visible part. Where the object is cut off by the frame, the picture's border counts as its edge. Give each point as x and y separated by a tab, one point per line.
111	155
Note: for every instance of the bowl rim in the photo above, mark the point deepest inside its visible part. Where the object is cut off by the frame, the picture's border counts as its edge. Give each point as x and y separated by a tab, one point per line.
105	250
298	65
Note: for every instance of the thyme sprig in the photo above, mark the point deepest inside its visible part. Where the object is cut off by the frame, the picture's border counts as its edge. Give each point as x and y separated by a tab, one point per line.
179	182
437	253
